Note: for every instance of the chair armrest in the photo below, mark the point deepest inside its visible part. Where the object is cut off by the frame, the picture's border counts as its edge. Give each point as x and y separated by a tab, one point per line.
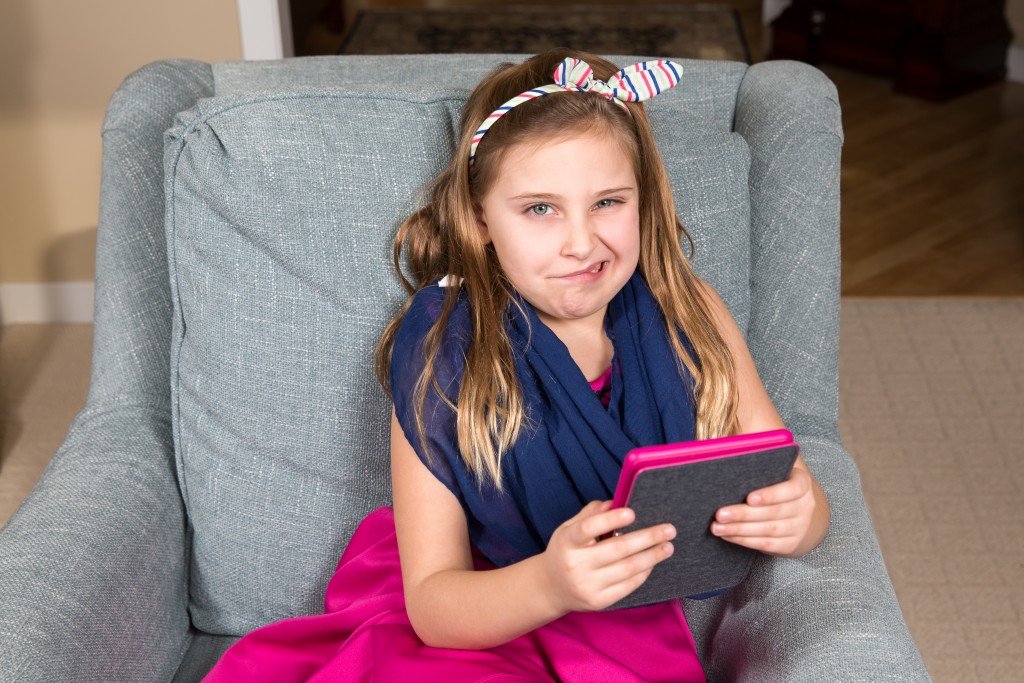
789	114
829	615
93	580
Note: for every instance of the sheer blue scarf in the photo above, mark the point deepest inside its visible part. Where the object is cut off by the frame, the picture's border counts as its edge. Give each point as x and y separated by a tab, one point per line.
572	450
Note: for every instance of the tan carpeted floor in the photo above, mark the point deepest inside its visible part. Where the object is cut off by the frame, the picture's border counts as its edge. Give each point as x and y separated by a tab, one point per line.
930	406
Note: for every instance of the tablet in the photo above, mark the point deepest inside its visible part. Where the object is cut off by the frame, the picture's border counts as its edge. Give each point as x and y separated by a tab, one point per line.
685	484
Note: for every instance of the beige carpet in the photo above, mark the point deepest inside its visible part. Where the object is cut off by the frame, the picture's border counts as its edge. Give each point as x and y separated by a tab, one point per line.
931	408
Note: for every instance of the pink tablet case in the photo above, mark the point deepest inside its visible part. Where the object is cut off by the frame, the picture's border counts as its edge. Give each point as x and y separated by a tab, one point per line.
684	484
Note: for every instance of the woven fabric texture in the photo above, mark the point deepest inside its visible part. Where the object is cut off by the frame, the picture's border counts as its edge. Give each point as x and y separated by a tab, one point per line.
707	90
225	489
279	221
93	574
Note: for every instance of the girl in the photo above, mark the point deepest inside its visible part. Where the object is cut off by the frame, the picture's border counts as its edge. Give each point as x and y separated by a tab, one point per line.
553	324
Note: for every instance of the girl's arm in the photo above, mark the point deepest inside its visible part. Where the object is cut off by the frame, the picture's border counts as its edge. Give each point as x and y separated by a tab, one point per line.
449	603
791	518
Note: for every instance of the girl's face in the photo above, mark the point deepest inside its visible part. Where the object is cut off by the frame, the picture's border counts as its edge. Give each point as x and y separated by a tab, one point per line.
564	220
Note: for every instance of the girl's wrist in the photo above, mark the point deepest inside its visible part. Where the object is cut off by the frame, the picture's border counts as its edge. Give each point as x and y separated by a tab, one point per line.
545	590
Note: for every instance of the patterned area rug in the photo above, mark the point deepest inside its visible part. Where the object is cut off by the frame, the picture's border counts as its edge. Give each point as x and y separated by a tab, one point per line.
691	31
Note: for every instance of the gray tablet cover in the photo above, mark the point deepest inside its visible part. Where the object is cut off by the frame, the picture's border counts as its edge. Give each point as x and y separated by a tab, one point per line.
688	495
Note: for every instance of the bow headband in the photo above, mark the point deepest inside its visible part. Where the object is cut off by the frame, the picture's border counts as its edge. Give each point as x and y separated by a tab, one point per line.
635	83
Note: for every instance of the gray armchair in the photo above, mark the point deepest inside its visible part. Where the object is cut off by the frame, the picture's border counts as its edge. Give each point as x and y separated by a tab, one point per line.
233	435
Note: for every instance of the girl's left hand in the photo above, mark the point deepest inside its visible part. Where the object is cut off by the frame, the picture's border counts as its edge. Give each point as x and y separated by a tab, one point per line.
775	519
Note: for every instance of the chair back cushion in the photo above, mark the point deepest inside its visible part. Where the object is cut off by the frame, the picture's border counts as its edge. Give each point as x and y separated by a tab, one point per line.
281	209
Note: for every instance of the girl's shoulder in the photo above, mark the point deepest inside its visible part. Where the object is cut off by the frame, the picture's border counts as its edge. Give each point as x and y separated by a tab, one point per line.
426	307
407	357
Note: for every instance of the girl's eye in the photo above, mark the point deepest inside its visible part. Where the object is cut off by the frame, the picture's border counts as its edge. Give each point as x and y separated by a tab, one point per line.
531	209
614	201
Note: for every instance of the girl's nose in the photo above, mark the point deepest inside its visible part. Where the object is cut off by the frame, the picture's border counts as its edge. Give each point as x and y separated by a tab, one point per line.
580	239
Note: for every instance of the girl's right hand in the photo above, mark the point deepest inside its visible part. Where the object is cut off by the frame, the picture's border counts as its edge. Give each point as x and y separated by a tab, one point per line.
587	575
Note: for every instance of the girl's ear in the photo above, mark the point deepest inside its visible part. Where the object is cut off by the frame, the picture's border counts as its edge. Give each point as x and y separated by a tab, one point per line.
481	224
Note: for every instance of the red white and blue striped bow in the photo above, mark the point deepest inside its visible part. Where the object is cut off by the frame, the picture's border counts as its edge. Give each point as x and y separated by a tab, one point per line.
635	83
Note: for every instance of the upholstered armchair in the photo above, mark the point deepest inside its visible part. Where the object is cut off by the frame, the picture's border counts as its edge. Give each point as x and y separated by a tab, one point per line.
234	435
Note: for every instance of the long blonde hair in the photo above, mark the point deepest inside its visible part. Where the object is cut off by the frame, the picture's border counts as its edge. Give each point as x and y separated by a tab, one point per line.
441	237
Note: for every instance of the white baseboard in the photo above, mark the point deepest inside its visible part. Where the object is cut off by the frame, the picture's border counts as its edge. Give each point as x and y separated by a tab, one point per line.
1015	64
44	302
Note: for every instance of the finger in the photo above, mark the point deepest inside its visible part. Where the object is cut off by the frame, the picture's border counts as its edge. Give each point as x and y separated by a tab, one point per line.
783	492
591	508
637	563
765	545
615	592
613	549
601	523
573	524
746	513
773	529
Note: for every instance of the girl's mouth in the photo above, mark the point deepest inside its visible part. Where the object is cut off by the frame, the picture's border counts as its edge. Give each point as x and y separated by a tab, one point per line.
586	275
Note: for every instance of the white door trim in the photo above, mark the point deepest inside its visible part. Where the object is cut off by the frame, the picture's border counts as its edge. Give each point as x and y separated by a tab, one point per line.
1015	64
266	28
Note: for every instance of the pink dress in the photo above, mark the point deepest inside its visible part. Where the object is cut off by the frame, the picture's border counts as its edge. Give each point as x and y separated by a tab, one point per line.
364	634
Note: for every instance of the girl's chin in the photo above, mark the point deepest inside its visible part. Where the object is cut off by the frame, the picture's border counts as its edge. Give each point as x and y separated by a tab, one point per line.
575	308
566	300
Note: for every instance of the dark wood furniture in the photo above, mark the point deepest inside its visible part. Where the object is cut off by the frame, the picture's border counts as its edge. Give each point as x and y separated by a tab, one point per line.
934	49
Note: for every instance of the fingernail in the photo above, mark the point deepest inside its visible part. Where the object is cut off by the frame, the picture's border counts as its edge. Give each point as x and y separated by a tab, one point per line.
725	515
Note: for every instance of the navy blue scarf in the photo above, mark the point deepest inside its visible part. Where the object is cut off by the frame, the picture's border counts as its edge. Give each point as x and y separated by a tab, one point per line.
576	451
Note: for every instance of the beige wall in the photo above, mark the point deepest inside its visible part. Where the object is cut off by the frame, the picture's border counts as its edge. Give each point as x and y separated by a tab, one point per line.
59	63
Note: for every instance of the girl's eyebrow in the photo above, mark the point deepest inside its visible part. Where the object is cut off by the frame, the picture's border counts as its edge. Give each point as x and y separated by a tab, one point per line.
548	195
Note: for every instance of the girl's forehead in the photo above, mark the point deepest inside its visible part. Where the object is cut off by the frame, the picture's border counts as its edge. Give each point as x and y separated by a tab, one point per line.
603	137
567	162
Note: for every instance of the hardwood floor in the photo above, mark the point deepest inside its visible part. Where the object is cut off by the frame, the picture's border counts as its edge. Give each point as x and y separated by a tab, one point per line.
932	195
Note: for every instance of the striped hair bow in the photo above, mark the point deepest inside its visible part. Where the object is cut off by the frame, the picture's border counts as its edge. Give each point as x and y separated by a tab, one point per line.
635	83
